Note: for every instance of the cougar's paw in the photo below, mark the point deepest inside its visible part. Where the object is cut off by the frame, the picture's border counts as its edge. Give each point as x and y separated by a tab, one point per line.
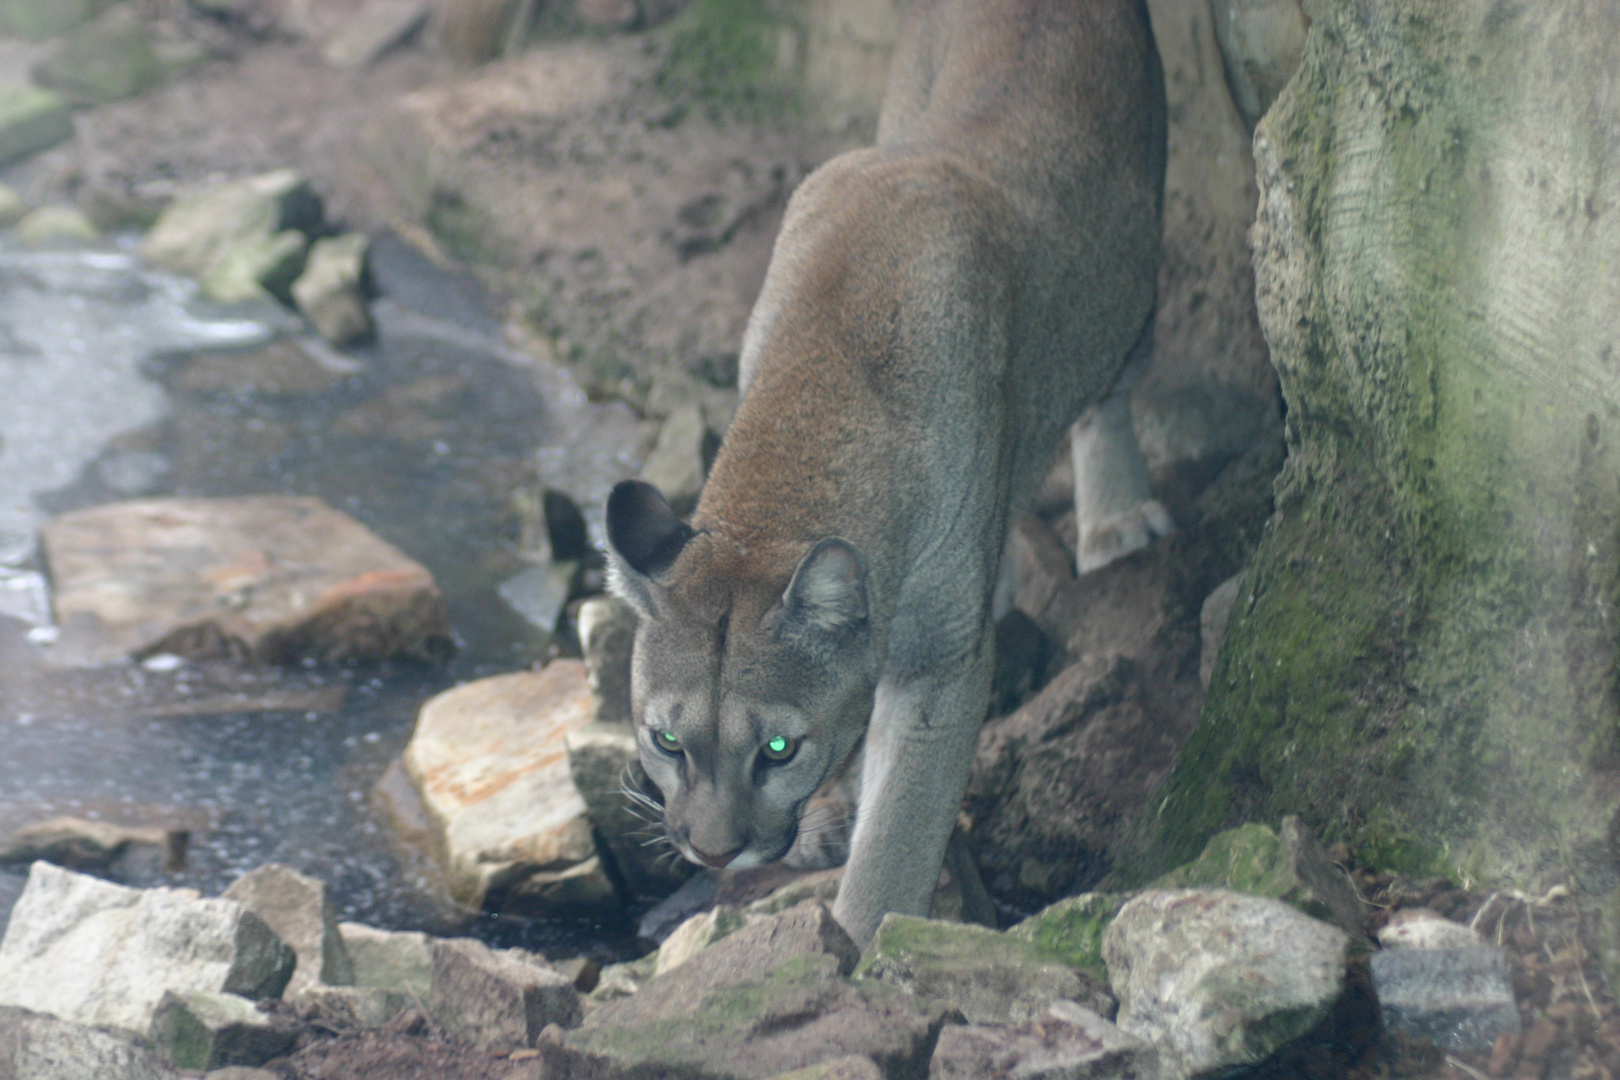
1117	536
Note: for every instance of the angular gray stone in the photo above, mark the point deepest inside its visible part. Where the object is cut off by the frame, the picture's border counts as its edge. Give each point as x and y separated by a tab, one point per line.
399	960
793	1017
199	1029
495	1000
751	953
378	26
993	978
352	1006
80	844
1459	999
297	907
30	121
101	954
675	466
34	1046
106	59
474	32
331	292
1067	1042
273	578
1219	979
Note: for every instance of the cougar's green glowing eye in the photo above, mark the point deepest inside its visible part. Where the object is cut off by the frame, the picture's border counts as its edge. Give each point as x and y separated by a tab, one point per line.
667	742
780	748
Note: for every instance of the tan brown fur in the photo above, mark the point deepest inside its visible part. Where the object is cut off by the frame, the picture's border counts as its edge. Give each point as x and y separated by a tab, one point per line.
938	310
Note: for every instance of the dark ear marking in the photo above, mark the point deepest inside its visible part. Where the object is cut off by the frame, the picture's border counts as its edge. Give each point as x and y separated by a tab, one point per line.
828	590
642	528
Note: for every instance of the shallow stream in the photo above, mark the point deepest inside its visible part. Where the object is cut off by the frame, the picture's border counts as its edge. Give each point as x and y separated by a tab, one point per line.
117	382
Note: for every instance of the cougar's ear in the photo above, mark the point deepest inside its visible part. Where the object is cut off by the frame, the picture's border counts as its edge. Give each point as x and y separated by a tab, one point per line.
828	590
644	540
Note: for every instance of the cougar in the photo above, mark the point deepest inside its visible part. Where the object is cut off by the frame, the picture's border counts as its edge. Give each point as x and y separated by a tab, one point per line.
939	308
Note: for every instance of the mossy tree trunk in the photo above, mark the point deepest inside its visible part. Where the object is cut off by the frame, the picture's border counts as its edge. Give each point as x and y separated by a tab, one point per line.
1422	658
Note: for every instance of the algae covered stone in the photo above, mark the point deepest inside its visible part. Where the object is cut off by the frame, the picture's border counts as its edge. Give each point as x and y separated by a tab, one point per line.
105	60
993	978
1072	930
197	1029
799	1014
1291	867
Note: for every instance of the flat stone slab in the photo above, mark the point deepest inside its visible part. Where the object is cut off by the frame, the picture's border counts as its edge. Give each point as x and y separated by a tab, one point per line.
1218	979
96	953
34	1046
1458	999
276	579
1068	1042
490	761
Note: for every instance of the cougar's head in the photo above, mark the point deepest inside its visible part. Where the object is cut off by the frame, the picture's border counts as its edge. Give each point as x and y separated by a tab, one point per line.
752	678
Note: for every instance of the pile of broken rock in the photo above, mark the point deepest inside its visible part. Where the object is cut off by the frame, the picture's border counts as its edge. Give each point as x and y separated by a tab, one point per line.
127	984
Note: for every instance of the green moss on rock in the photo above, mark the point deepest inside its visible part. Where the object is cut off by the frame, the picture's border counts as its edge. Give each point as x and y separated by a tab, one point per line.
1071	930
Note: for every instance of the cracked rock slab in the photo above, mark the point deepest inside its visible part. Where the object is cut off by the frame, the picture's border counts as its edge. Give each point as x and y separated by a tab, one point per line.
272	578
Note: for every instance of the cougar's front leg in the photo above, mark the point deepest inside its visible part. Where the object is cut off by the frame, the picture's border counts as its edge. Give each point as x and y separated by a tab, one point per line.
919	749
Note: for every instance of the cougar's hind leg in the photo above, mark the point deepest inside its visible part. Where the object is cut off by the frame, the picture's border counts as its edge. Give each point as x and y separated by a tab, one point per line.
1113	504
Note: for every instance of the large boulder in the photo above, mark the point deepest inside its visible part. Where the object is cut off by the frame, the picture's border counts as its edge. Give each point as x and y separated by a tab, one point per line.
274	578
1420	660
95	953
297	907
490	761
1217	979
39	19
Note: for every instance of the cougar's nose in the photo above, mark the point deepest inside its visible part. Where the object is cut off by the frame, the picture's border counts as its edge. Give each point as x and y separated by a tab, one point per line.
716	861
